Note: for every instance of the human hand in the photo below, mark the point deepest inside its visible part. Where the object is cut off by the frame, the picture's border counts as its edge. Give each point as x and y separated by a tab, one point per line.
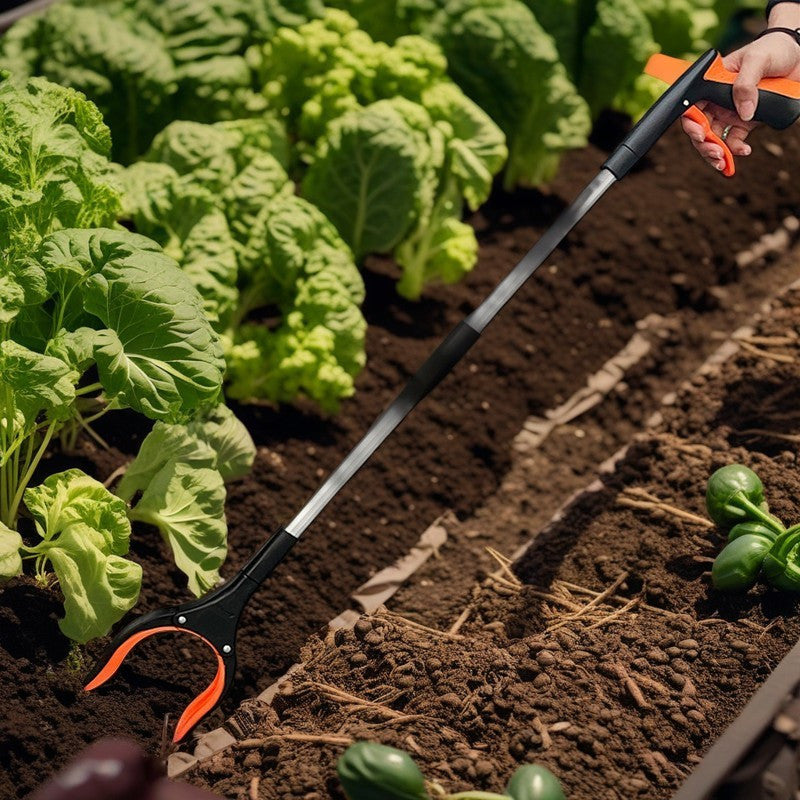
776	55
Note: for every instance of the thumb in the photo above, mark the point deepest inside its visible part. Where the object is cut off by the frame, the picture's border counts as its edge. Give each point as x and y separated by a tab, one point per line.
745	89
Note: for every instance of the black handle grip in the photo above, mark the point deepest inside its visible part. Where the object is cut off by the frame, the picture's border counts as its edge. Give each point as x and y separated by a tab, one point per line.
773	109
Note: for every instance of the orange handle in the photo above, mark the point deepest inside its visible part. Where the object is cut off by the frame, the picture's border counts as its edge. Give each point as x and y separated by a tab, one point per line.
669	69
696	115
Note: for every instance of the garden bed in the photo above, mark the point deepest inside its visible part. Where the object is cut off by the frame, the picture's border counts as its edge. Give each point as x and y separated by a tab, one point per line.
663	242
604	654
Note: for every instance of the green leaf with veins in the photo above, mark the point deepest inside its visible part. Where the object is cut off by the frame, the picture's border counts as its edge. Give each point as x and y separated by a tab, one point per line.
98	587
54	170
12	298
10	559
164	443
73	498
38	382
158	353
228	438
476	146
365	176
187	505
75	349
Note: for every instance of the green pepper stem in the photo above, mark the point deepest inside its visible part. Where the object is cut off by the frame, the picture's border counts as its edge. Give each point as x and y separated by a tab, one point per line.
752	509
785	543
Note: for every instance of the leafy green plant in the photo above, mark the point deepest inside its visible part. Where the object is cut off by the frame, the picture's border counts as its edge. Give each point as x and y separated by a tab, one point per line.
395	149
84	532
146	63
372	771
94	319
218	198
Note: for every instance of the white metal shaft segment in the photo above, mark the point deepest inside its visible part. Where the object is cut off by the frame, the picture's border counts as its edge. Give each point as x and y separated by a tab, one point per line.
477	321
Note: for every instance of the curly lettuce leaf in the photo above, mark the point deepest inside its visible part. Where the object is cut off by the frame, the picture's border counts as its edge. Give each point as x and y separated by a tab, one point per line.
117	60
263	180
10	557
365	177
204	151
387	20
184	219
215	89
163	444
443	251
295	260
503	60
476	146
99	588
156	353
72	498
38	383
228	438
54	171
74	348
216	440
85	532
615	50
187	505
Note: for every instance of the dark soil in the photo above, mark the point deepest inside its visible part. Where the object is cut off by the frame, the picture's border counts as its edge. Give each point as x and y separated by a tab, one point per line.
621	699
663	241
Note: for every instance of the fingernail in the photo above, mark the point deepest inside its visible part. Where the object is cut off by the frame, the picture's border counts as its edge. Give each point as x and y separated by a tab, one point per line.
747	150
698	138
719	166
748	109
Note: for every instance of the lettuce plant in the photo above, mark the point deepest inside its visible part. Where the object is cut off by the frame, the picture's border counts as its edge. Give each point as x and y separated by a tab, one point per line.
146	63
219	200
395	149
94	319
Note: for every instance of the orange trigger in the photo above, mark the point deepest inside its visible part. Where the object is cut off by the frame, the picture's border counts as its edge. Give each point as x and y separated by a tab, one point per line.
696	115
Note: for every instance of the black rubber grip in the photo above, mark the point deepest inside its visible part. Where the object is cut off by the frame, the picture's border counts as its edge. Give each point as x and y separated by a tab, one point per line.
269	555
773	109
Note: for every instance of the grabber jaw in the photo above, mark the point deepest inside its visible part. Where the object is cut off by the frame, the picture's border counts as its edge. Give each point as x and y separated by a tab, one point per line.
213	619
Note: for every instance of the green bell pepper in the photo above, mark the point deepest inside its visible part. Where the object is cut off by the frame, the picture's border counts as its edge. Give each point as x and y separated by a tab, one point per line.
740	561
371	771
735	494
533	782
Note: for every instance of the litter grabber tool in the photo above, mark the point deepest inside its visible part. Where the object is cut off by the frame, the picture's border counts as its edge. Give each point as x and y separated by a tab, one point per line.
214	618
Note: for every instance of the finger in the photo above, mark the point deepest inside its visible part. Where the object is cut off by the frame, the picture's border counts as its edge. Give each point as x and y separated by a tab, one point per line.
736	141
710	151
745	88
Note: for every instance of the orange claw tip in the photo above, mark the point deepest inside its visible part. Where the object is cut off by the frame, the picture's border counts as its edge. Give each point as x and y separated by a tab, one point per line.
118	656
202	704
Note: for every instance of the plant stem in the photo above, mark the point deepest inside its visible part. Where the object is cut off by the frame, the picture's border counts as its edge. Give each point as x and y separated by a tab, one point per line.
31	463
759	513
